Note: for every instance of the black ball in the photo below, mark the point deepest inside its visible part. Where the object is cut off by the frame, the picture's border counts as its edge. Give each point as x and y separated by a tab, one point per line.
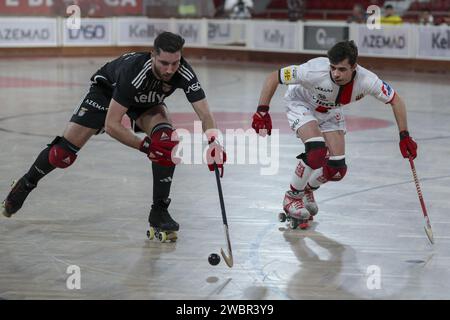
214	259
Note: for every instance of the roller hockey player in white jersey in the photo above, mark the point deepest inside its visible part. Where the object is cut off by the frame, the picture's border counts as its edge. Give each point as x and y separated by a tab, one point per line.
317	92
135	84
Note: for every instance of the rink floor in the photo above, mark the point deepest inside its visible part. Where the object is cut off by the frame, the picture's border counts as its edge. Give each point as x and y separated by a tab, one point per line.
367	241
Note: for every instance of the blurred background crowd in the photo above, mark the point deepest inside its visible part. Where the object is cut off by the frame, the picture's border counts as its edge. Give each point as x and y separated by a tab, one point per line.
425	12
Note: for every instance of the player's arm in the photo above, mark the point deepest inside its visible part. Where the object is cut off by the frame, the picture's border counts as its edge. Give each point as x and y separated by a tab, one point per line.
114	127
269	87
399	109
262	122
201	108
215	152
408	147
293	74
384	93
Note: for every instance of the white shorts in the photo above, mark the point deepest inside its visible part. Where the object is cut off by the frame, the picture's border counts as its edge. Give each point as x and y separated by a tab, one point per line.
300	113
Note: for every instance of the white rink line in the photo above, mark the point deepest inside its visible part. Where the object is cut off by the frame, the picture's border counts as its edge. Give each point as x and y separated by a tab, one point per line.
421	236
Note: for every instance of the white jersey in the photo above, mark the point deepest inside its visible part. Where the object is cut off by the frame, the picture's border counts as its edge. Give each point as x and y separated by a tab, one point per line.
311	83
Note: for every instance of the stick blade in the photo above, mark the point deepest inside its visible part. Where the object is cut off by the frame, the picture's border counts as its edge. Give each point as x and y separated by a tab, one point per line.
428	230
429	233
228	260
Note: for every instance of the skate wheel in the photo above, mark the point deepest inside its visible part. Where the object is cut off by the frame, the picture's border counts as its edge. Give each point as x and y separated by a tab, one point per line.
3	210
151	233
162	236
282	217
293	224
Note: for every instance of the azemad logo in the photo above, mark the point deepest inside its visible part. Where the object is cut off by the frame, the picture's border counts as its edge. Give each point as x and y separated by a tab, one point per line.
387	90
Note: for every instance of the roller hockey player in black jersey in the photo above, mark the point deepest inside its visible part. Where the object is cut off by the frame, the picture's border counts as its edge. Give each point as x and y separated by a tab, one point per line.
134	84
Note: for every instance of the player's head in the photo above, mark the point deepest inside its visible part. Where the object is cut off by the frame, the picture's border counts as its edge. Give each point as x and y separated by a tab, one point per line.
343	56
389	10
166	55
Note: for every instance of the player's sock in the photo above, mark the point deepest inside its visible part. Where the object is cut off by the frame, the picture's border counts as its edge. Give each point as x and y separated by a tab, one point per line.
301	176
40	168
162	181
316	179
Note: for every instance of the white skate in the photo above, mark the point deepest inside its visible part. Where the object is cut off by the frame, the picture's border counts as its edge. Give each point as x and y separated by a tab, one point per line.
310	203
294	210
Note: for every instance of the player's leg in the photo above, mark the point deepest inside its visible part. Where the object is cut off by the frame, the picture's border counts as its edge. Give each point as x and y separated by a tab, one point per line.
307	129
332	125
335	168
156	122
62	151
312	159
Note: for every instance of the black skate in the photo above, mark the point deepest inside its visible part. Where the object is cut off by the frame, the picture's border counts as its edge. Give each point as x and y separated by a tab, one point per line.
162	226
16	197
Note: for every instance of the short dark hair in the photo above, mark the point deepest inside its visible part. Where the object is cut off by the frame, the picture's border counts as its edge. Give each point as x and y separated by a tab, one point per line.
389	6
343	50
168	42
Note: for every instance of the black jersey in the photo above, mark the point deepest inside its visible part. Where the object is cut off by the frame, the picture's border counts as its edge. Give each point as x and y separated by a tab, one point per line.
132	83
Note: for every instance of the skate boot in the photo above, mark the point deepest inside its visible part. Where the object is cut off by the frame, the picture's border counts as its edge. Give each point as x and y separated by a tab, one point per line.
16	197
310	203
162	226
294	210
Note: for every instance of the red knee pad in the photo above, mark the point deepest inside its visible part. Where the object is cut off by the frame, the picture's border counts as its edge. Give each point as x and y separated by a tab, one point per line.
163	143
315	154
334	170
60	157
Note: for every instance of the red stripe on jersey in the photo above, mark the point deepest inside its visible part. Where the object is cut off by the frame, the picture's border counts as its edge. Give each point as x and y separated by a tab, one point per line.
346	93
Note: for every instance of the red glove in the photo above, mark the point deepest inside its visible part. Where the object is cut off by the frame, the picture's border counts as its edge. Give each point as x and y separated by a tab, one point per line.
211	157
160	146
262	121
408	146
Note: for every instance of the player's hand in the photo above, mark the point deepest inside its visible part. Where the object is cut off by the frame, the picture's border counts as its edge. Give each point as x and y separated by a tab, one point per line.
408	146
160	149
215	153
262	123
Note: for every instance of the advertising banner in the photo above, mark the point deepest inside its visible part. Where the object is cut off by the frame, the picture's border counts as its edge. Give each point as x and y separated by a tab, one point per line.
391	41
92	32
140	31
275	36
31	32
226	32
323	37
433	42
190	31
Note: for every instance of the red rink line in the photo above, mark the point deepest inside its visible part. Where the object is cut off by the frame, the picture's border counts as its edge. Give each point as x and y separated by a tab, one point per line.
242	120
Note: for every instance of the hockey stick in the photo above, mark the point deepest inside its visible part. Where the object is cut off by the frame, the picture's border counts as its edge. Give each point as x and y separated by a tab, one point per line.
228	259
427	226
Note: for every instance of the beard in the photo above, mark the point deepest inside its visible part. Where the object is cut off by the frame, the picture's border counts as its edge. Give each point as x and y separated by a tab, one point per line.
165	77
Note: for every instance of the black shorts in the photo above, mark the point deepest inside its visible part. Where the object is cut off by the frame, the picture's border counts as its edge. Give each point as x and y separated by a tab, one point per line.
91	112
